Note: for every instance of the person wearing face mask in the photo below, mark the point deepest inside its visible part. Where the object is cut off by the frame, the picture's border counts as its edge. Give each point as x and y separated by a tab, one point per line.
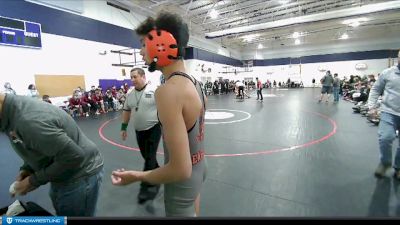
181	106
32	92
387	85
8	89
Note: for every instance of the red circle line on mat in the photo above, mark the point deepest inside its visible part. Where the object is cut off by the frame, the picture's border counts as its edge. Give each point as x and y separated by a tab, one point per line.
264	152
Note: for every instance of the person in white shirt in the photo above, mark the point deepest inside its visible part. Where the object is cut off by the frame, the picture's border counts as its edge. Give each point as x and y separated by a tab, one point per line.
32	92
240	88
241	92
8	89
141	103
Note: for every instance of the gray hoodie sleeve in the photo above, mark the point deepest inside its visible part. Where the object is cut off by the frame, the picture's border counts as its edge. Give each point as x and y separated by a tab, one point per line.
376	90
51	141
26	167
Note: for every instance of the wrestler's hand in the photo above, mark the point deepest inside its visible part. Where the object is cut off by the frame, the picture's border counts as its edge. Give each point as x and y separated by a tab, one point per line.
24	186
121	177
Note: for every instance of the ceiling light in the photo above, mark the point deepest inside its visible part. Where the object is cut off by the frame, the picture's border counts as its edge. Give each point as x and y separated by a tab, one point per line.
214	14
352	12
355	20
244	21
250	37
221	3
260	46
297	42
296	35
284	2
344	36
355	24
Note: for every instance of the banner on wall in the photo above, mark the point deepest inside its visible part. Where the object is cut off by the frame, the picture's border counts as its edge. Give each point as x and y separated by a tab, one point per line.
361	66
322	68
20	33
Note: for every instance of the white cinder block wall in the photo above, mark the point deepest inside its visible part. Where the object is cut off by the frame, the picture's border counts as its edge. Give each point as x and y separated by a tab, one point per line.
63	56
81	57
296	72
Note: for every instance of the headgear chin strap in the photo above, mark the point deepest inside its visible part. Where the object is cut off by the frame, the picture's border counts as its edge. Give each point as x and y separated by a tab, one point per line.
152	66
161	47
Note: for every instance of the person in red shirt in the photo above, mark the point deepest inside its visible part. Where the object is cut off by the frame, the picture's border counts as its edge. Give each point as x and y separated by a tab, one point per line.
78	104
85	104
75	105
98	101
87	98
259	89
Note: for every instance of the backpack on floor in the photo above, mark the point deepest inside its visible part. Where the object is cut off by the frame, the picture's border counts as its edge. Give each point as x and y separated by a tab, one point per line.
31	209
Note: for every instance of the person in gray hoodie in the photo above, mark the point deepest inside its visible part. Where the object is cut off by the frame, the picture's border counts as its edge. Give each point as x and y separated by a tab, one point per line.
387	85
55	151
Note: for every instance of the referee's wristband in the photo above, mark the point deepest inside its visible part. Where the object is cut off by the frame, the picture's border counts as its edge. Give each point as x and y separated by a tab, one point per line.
124	126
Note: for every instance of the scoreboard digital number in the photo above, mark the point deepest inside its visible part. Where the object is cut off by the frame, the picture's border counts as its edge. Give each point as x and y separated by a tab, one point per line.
20	33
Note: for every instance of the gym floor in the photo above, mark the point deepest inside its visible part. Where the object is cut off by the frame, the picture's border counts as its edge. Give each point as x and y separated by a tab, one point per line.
288	156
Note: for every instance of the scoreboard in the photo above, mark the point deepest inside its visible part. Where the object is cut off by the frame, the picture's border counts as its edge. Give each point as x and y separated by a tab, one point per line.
21	33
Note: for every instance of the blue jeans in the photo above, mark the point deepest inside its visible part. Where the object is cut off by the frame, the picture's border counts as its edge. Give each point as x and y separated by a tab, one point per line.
387	133
77	198
336	94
